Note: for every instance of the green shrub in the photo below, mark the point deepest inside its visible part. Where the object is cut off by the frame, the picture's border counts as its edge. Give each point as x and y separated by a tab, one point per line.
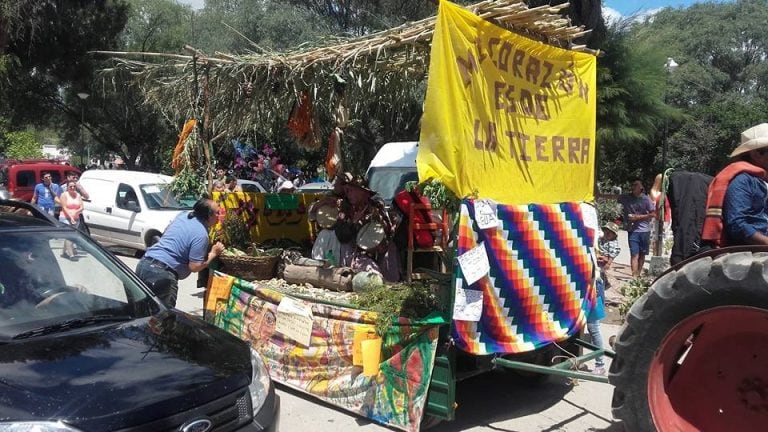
632	291
608	210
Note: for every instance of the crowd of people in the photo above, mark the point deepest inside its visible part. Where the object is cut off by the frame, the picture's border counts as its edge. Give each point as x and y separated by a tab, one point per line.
284	180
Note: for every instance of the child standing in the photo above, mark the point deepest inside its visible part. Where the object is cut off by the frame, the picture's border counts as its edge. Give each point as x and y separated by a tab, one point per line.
607	249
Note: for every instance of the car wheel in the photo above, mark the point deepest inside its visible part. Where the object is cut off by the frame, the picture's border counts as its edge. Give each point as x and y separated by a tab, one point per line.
152	238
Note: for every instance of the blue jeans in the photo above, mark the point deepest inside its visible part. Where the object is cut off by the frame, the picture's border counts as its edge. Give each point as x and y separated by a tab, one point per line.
597	339
161	280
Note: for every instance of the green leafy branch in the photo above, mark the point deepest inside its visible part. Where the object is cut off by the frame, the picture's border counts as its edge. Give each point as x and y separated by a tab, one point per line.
437	193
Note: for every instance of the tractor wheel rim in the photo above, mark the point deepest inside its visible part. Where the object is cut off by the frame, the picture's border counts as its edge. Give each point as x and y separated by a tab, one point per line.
709	372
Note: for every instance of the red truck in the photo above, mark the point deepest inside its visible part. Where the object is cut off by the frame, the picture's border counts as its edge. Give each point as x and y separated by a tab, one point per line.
21	176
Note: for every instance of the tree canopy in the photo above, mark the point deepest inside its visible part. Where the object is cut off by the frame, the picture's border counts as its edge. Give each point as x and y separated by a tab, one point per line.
701	107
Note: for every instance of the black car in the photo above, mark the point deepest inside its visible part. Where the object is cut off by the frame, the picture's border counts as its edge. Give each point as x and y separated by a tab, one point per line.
85	346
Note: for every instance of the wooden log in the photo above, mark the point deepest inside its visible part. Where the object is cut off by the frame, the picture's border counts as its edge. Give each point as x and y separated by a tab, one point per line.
332	278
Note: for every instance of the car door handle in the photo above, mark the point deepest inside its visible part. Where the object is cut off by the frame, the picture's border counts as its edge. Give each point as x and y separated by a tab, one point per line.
109	210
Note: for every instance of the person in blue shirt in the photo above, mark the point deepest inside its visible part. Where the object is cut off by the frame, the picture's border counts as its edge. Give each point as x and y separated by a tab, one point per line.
46	193
638	211
745	207
182	249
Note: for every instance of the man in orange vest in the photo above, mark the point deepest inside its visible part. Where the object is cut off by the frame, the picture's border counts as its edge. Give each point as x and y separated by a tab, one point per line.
737	200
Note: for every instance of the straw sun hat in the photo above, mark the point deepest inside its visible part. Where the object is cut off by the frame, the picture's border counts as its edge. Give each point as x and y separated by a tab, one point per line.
611	226
752	139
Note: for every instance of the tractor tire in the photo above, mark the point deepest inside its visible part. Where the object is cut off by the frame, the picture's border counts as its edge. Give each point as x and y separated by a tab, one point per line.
691	354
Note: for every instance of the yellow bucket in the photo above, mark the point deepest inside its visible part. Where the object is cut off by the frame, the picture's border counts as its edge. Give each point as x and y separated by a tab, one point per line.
371	356
362	332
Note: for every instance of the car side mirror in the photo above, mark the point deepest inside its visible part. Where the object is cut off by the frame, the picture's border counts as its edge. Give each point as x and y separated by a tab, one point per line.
132	206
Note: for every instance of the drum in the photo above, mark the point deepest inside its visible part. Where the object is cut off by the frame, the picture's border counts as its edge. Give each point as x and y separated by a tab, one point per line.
326	216
371	235
325	212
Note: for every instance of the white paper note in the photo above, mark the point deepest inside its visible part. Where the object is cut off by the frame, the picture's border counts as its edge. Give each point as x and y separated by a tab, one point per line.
474	264
294	319
485	214
467	305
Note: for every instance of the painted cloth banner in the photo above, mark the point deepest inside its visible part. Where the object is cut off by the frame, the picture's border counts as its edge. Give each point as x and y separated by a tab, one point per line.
265	221
540	285
396	396
506	117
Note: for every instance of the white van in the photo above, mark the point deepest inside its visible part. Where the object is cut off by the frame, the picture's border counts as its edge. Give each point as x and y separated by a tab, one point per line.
393	166
129	208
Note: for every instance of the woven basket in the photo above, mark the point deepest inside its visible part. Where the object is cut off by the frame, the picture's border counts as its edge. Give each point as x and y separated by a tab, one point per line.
249	267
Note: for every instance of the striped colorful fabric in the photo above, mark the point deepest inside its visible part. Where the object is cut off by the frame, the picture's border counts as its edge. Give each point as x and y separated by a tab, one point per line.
540	286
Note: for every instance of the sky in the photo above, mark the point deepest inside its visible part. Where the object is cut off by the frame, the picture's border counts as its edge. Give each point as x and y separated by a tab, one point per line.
197	4
628	8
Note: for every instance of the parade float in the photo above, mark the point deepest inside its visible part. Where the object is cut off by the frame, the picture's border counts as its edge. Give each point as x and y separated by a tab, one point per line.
508	127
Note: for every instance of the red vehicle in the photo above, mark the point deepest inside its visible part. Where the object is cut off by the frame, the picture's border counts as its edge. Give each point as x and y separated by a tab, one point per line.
21	176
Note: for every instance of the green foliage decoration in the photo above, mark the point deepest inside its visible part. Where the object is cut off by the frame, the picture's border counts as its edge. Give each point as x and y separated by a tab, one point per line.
236	232
188	183
414	300
437	193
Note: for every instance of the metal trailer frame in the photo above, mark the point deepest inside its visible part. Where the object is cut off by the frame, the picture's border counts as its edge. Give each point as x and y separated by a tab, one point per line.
441	399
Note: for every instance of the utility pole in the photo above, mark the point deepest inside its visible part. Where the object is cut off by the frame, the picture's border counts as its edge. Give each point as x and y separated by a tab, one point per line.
83	96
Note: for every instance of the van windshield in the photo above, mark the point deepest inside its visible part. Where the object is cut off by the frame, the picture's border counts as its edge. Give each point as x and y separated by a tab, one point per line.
387	181
160	197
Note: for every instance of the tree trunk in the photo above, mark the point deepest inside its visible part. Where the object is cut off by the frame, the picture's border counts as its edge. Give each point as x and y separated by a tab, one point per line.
332	278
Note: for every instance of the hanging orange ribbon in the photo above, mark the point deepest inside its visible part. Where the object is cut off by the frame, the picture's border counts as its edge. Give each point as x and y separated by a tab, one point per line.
177	162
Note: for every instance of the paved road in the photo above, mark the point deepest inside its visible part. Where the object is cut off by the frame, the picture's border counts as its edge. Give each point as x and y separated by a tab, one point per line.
496	401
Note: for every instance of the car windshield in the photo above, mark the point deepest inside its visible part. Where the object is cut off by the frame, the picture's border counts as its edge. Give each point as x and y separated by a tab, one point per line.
160	197
40	288
386	181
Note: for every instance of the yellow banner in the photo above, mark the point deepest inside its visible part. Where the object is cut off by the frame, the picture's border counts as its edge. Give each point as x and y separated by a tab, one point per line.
506	117
271	224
